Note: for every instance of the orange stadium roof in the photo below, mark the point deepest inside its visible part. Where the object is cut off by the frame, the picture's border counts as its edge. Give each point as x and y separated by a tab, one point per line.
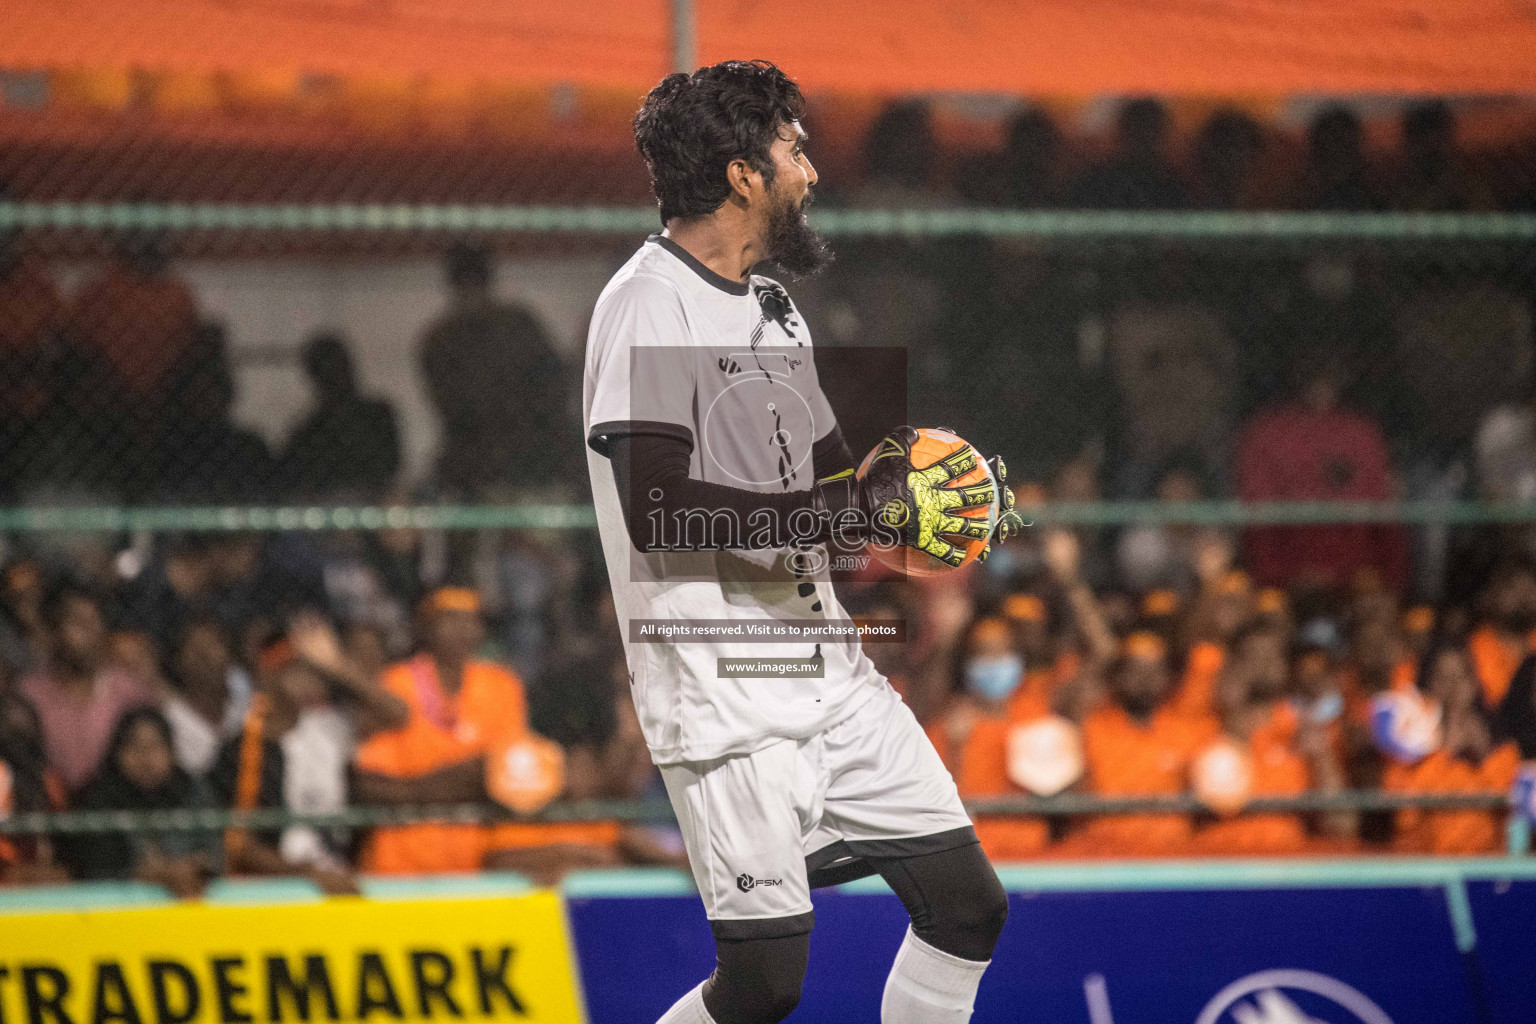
1075	47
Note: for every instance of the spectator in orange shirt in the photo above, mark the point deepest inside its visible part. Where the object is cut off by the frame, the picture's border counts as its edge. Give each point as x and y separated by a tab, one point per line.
1471	758
993	697
1069	667
464	710
1135	744
1223	606
1050	662
137	315
1288	753
1501	643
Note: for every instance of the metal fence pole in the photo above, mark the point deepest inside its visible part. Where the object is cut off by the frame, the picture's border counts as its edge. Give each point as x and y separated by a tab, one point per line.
684	37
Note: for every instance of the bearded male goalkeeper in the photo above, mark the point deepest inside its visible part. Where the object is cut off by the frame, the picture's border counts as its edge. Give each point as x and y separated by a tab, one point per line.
720	479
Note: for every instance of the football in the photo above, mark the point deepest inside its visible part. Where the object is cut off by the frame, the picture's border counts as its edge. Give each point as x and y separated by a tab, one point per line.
933	444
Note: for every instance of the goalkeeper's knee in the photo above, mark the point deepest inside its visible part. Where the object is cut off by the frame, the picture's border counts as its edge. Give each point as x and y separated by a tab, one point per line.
757	981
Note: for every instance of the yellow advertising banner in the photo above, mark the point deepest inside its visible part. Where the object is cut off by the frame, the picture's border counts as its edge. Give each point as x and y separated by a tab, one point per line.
350	959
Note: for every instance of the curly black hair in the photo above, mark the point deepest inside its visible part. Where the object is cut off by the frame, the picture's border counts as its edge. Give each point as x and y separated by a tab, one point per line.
692	126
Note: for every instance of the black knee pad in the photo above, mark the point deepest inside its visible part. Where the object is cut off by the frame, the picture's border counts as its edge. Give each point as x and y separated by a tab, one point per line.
956	902
974	921
756	981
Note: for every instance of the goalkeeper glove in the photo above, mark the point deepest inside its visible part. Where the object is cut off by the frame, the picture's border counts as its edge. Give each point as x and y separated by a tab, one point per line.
897	503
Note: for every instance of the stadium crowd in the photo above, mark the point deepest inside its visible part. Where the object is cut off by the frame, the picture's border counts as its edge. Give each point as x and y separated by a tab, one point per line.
315	671
226	674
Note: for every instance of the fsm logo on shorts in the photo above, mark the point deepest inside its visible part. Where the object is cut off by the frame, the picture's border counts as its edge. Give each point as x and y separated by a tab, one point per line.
746	883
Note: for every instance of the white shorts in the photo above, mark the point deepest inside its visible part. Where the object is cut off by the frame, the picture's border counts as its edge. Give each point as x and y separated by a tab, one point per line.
761	827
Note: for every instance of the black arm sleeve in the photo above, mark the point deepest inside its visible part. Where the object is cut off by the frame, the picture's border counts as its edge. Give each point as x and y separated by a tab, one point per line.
666	509
831	456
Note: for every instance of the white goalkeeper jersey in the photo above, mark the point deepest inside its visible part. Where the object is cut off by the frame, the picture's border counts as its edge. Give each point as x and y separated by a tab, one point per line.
676	350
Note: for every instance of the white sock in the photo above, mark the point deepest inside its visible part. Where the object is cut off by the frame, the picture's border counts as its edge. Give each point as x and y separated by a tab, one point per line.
689	1009
929	986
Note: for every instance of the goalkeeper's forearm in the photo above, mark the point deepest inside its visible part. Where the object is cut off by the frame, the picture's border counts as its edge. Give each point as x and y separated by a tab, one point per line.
666	509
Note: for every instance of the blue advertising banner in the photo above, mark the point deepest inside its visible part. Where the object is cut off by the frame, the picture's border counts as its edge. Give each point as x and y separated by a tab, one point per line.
1372	955
636	955
1504	914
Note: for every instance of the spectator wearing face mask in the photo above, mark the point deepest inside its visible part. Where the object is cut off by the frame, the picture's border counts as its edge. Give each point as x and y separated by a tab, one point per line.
1135	744
1473	756
972	736
1316	691
1505	637
139	773
1048	662
1278	751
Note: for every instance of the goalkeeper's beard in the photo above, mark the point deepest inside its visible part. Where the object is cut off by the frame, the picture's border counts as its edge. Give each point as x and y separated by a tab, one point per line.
792	243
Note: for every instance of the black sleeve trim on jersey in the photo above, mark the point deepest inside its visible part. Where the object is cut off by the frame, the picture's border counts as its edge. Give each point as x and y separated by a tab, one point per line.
650	472
734	930
831	456
692	262
913	846
602	435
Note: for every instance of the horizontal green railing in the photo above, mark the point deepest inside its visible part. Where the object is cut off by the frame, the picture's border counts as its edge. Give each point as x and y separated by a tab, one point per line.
605	220
1451	873
1073	804
582	516
298	518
